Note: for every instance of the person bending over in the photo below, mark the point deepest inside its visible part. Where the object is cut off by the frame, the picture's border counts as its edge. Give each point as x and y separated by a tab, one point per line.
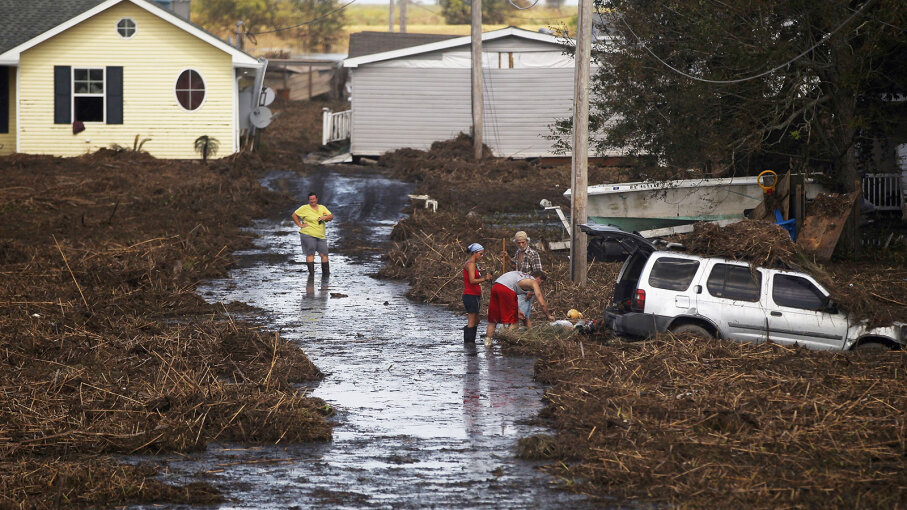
503	308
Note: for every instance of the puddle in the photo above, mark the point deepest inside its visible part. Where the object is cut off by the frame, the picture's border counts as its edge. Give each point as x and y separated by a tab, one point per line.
422	420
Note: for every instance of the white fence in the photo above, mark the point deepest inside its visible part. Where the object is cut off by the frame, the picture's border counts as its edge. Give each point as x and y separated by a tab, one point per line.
883	190
335	126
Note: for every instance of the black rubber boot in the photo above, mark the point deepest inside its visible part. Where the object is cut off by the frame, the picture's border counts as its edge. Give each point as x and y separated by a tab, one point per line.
311	267
469	334
325	268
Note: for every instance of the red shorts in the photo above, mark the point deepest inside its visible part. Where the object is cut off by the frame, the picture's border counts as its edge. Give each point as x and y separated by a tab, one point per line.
502	307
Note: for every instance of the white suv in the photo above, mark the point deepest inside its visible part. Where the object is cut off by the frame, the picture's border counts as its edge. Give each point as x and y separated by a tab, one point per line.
658	291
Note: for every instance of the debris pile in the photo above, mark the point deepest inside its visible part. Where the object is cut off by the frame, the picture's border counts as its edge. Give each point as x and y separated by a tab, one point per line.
430	250
108	350
450	173
757	242
715	423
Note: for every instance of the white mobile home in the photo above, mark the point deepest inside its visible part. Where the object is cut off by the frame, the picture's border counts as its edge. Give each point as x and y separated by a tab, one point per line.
413	96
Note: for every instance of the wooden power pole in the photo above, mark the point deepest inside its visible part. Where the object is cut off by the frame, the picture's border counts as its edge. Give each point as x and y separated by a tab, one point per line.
390	17
403	16
477	97
580	164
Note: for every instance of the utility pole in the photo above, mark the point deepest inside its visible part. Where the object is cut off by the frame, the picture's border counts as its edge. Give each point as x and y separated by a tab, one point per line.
477	97
580	165
390	17
403	16
239	42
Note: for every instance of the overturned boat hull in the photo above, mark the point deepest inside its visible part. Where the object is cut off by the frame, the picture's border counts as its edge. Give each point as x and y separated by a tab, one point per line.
636	206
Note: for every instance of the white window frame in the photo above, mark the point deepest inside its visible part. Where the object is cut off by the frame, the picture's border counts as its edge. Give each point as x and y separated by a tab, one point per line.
102	95
204	83
135	27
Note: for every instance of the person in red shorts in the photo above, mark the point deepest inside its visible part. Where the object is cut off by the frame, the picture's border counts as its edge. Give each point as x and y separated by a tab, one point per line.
503	308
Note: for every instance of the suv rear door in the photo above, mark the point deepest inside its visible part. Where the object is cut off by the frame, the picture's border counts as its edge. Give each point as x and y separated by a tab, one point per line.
798	313
668	284
730	295
639	250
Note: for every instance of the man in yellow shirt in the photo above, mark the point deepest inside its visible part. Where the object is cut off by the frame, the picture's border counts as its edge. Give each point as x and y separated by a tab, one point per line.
311	219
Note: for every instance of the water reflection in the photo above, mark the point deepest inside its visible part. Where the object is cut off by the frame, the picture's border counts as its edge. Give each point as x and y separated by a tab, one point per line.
314	301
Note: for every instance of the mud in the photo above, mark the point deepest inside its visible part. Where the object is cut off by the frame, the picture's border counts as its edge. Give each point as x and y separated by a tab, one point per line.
422	420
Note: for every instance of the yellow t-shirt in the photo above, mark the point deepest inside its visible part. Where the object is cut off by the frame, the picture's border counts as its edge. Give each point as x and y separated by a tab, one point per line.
309	219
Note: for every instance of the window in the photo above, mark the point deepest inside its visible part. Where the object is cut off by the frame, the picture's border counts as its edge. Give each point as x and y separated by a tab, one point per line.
190	89
126	28
734	282
797	292
673	273
88	95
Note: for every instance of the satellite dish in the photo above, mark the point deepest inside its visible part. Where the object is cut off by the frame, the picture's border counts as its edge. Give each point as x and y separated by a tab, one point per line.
267	96
523	4
261	117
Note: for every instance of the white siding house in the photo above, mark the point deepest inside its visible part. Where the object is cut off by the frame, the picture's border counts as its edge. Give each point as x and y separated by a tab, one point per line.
417	95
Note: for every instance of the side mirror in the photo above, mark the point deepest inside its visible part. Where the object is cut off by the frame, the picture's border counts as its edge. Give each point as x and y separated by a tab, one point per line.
830	307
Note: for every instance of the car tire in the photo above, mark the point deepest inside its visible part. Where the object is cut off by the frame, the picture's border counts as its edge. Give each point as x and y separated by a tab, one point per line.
872	347
693	329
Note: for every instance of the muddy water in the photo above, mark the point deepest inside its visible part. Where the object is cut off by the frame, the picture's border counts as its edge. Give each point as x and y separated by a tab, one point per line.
422	420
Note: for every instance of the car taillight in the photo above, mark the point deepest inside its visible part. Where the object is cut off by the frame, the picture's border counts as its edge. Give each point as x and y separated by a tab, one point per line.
639	301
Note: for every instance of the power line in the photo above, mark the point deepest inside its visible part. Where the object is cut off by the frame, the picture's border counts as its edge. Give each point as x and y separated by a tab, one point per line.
824	38
873	18
309	22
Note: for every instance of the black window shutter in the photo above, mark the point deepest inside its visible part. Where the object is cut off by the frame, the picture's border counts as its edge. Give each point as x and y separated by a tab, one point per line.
4	100
62	95
114	94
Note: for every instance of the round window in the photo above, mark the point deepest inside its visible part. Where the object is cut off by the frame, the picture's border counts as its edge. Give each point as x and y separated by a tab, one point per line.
190	89
126	28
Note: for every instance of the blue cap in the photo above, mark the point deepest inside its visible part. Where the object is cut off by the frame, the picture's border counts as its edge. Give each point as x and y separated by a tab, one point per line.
474	247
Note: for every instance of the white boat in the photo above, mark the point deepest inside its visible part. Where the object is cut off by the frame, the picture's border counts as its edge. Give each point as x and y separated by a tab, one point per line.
636	206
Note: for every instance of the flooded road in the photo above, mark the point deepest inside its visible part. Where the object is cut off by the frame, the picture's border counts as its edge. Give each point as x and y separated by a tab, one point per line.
422	421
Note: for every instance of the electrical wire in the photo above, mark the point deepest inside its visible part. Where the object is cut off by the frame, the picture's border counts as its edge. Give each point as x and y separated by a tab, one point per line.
309	22
873	18
824	38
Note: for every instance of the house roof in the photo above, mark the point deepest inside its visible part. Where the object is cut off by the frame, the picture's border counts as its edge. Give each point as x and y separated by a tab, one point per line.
450	43
21	21
26	24
367	43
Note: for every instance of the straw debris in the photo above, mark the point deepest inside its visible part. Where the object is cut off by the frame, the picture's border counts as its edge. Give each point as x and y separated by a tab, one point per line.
712	423
107	350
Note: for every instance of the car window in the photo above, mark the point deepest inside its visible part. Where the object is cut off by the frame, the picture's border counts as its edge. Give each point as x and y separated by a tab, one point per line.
797	292
734	282
673	273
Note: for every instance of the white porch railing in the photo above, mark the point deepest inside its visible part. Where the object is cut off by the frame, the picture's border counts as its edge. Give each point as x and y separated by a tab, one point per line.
883	190
335	126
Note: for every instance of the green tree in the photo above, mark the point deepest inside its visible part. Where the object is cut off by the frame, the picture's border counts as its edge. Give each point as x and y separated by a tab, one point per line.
325	33
459	12
736	87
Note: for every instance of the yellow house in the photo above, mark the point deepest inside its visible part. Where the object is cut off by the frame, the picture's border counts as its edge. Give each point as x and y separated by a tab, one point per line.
80	75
